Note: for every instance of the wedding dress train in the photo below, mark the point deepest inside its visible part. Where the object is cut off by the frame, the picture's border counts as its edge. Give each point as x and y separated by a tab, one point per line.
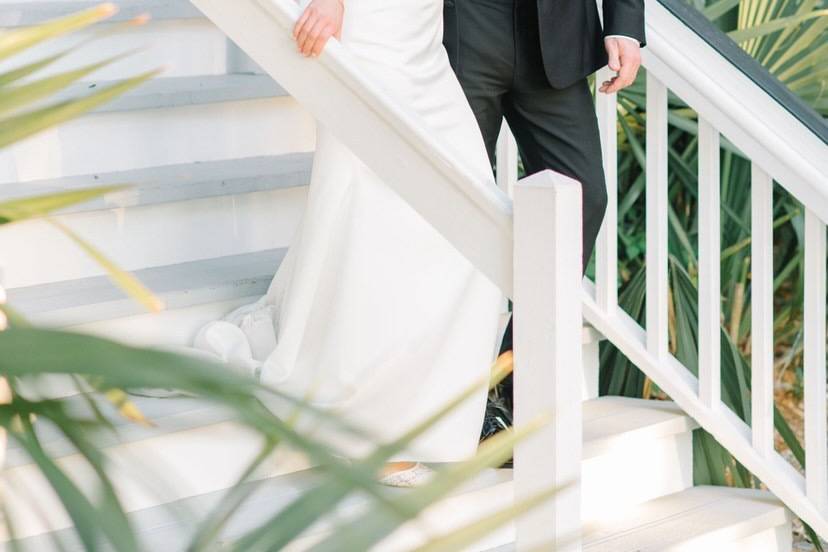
373	315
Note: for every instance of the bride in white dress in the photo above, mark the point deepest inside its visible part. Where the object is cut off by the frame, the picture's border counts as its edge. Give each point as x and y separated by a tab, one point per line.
373	315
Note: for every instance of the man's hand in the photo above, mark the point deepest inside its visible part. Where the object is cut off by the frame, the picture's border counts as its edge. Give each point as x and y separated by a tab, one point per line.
625	59
321	20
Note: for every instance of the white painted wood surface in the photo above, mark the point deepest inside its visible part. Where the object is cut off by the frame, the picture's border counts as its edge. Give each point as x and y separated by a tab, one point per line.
761	301
816	432
710	252
547	379
606	247
507	160
656	218
728	429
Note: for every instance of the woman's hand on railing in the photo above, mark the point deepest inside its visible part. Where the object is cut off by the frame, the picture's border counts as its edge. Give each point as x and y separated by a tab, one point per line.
321	20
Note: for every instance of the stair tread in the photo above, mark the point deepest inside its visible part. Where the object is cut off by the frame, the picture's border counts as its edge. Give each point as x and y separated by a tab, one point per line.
167	92
179	182
20	14
179	414
689	515
159	528
187	428
168	415
187	284
697	515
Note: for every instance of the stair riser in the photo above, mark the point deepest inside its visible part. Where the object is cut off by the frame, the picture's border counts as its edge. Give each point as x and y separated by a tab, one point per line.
119	141
635	471
207	459
151	235
182	47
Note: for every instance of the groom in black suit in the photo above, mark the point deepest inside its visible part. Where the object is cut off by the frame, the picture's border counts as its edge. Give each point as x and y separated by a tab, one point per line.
528	61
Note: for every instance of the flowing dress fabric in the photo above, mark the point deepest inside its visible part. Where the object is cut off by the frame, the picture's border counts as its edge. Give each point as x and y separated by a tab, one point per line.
373	315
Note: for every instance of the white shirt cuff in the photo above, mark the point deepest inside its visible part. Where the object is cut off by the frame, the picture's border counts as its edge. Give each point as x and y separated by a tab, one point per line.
623	36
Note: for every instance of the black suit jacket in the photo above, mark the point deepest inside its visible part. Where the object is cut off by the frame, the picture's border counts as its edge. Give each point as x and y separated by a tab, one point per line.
572	40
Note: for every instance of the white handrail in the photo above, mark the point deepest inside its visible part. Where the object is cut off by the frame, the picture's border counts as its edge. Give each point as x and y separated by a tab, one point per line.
748	116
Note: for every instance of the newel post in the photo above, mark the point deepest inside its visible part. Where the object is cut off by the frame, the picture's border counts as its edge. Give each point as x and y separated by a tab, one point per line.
548	363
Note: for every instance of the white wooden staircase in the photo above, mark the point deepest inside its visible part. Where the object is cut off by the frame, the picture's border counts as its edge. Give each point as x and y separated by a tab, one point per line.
220	155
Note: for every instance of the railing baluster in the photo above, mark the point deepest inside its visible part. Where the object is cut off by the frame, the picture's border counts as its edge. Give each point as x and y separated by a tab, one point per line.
606	249
761	293
709	266
656	199
816	433
548	358
507	160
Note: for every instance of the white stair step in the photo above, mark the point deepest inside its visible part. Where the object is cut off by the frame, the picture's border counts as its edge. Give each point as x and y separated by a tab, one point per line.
168	415
74	302
194	293
15	13
172	183
166	121
156	235
166	92
208	458
700	519
176	37
169	527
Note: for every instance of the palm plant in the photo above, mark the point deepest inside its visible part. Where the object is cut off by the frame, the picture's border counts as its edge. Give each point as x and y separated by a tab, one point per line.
107	368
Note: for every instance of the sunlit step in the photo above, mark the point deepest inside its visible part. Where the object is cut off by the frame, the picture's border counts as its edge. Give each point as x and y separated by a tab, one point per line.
700	519
649	442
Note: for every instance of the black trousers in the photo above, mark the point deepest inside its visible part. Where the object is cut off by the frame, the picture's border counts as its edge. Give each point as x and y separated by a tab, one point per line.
500	67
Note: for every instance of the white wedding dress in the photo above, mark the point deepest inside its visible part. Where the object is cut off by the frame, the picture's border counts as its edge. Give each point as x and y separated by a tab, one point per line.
373	315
